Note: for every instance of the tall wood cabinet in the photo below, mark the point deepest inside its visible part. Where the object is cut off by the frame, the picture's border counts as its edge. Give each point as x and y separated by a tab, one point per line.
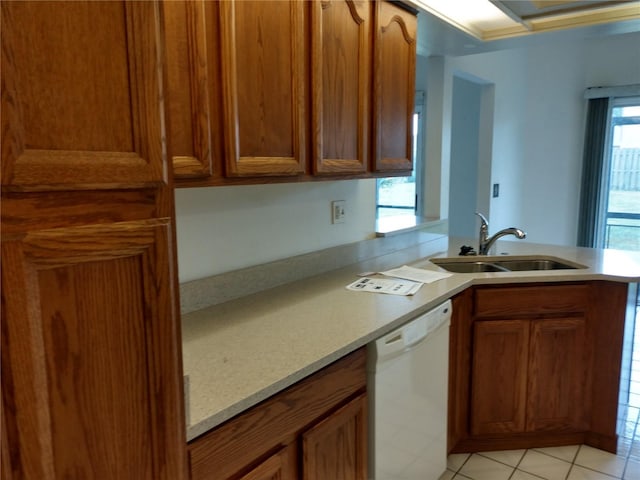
263	91
91	364
535	365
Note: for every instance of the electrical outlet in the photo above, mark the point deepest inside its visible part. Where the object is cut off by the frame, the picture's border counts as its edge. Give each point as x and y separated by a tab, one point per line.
338	211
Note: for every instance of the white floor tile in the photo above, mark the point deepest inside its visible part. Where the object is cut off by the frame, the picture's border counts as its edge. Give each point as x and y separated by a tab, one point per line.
581	473
628	429
635	451
448	475
482	468
455	460
509	457
624	446
600	461
544	466
566	453
520	475
632	471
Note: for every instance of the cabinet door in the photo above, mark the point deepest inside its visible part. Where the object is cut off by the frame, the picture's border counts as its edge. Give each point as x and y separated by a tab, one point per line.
264	92
336	448
81	95
192	55
394	84
91	377
279	466
559	387
499	376
340	73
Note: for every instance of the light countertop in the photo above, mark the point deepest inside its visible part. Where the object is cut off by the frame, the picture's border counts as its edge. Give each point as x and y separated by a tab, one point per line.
241	352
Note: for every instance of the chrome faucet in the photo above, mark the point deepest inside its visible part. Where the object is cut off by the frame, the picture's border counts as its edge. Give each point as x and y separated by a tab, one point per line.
485	241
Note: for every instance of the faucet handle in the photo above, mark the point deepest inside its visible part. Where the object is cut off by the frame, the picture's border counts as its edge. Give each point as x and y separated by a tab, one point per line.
483	219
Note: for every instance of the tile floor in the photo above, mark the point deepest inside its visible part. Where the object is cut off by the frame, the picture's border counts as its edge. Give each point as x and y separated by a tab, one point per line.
575	462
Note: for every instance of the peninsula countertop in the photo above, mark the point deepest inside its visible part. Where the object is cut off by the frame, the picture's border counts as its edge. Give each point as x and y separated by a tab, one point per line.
241	352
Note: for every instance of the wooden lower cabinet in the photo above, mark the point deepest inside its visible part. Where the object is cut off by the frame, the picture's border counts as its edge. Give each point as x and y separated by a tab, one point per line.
535	365
529	376
90	368
559	375
279	466
314	430
499	376
335	447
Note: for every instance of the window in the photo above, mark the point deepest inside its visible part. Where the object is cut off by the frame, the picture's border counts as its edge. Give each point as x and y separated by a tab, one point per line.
401	196
619	227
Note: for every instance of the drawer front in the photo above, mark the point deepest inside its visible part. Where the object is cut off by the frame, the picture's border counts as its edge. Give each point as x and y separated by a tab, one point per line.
531	300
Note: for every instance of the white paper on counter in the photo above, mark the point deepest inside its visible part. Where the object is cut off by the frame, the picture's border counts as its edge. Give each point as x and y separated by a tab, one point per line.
415	274
381	285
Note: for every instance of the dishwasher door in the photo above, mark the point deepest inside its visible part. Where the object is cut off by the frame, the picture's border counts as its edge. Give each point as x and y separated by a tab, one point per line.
408	384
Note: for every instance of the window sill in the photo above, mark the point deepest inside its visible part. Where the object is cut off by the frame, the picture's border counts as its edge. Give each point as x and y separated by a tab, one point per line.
394	225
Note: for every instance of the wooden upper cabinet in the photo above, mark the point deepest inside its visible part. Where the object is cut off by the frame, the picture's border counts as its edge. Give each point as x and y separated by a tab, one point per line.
394	85
340	84
191	38
91	377
81	97
263	72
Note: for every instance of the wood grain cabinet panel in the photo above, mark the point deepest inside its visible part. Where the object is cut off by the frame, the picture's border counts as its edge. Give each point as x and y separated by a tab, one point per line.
558	375
499	376
536	365
90	365
264	88
336	447
340	79
90	341
191	60
394	85
279	466
80	95
288	91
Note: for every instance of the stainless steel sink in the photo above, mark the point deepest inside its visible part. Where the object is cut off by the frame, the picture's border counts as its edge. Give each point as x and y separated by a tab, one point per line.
501	264
534	264
470	267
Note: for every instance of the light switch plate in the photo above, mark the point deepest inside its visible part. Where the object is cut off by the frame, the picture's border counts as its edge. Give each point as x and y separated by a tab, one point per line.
338	211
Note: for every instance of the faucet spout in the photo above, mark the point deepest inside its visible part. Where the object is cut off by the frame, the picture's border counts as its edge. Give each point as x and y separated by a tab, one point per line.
486	242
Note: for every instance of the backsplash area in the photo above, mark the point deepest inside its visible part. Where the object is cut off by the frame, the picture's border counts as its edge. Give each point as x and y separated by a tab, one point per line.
209	291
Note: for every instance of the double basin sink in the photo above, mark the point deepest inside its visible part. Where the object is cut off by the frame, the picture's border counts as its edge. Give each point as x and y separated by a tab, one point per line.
503	264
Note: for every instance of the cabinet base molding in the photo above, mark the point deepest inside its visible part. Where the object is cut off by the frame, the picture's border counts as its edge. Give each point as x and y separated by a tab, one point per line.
523	441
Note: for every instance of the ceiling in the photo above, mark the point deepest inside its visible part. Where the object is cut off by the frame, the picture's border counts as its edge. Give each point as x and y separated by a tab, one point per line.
523	23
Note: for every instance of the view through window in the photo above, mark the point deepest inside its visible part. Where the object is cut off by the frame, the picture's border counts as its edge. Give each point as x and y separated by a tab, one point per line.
620	228
400	195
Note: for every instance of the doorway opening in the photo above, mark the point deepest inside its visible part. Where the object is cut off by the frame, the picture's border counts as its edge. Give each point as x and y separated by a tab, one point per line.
471	150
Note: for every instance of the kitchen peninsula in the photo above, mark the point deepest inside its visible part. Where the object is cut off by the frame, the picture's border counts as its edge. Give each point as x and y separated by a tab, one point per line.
241	352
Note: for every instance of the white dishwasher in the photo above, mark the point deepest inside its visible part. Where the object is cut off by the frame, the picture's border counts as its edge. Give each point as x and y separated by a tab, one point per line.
407	385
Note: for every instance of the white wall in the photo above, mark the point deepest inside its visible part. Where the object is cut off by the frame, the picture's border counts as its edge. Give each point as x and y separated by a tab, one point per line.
539	116
506	71
226	228
465	142
538	123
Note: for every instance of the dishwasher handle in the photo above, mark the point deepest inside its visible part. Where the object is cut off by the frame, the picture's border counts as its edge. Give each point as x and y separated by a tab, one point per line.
412	333
400	340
